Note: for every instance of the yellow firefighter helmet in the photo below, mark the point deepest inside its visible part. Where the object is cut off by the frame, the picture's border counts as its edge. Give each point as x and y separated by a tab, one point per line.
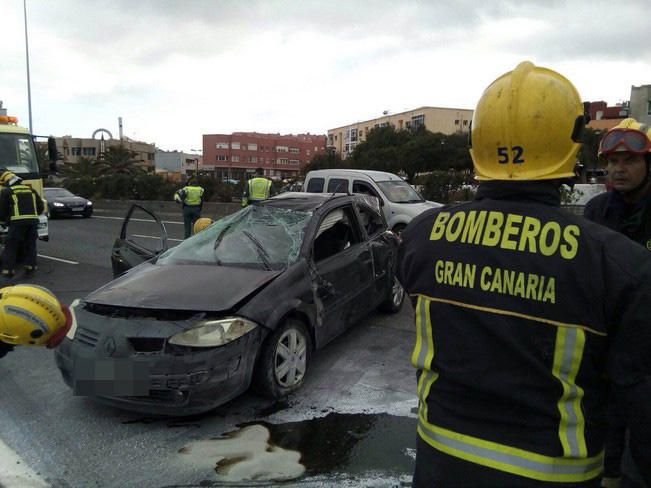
201	224
32	315
526	126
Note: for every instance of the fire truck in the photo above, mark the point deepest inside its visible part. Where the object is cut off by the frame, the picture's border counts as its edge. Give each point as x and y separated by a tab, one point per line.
18	155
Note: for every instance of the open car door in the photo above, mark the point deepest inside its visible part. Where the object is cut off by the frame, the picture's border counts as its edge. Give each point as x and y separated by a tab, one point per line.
143	237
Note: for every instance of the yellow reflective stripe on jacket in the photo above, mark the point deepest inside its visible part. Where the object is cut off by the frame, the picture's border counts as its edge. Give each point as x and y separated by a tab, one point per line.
423	353
193	195
568	353
509	459
259	188
16	215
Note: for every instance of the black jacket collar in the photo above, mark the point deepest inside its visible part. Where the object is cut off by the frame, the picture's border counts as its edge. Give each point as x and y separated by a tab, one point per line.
544	191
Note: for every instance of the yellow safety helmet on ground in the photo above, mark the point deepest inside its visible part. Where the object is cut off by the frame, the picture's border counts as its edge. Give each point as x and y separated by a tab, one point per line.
527	126
7	178
201	224
32	315
627	136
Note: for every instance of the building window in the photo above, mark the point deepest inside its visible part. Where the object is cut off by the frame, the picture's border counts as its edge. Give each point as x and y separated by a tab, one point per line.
221	145
330	139
235	145
648	107
235	159
335	138
253	159
88	151
283	161
456	122
76	151
465	122
351	135
253	146
418	120
221	157
282	149
294	162
294	150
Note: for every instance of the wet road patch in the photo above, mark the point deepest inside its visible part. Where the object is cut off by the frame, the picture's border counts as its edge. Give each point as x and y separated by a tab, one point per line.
336	444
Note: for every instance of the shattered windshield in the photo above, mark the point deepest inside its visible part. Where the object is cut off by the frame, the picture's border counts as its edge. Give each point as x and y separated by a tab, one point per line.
257	236
17	153
399	191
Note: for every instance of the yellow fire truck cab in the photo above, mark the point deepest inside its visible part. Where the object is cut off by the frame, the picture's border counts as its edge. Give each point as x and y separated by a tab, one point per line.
18	155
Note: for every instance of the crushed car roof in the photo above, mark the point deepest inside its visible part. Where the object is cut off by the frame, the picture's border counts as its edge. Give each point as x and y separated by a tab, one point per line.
306	201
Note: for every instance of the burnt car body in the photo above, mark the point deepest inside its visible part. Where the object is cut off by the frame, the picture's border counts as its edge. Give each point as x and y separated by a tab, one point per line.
247	300
62	202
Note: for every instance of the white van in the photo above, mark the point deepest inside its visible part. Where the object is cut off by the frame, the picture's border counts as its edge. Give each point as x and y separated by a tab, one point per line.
399	201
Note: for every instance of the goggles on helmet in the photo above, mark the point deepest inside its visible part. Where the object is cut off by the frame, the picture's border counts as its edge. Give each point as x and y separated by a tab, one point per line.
631	140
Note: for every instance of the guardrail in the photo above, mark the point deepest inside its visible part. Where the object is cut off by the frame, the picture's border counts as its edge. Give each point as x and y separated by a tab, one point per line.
212	210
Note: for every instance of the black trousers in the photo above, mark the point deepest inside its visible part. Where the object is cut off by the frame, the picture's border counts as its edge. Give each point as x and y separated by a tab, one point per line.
190	215
21	237
435	469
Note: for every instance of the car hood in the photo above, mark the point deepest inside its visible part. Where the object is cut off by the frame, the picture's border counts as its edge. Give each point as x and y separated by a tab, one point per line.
418	208
68	200
208	288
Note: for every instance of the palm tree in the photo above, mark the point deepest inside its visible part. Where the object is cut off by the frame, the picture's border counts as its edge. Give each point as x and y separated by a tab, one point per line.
120	160
83	167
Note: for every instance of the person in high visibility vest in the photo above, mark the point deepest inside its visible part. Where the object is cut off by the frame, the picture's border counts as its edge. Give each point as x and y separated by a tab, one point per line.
526	314
20	207
31	316
256	189
191	197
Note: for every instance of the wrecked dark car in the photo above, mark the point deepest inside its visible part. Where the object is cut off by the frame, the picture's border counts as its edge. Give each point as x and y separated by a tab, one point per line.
245	301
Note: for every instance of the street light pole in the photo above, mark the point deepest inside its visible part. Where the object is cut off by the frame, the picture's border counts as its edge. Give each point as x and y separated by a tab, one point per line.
29	88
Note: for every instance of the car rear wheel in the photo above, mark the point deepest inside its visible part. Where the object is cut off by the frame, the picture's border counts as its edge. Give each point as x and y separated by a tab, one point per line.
284	360
393	302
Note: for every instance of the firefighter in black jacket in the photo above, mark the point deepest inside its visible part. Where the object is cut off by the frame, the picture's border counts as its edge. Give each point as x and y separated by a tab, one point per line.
20	207
524	312
626	208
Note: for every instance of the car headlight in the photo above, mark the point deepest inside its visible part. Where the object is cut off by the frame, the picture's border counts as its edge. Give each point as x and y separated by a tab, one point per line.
89	202
58	204
212	333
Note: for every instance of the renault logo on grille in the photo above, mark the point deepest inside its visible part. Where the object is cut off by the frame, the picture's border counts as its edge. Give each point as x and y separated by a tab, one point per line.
109	346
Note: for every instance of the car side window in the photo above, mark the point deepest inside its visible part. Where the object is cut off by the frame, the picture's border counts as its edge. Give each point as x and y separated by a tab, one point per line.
337	232
337	185
315	185
364	188
371	221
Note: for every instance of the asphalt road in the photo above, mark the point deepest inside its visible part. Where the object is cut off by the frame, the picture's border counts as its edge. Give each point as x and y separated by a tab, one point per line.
353	422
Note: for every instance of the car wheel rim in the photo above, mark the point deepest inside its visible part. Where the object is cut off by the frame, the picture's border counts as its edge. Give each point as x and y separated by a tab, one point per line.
397	292
291	358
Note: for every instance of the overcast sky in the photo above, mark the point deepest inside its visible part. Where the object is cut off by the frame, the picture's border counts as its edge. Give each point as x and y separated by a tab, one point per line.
177	69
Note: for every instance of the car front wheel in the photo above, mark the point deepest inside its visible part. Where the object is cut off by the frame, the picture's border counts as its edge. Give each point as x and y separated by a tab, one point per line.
284	360
393	302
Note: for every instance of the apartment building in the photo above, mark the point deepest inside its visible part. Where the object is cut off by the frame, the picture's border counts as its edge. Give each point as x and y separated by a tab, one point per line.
234	156
72	148
177	162
641	103
435	119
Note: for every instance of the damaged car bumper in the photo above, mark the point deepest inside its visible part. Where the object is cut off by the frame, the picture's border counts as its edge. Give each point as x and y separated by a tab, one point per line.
128	362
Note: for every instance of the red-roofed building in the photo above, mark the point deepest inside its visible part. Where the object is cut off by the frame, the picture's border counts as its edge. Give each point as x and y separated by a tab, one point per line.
600	110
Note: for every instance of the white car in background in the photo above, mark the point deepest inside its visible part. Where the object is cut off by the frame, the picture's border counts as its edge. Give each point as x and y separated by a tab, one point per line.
400	202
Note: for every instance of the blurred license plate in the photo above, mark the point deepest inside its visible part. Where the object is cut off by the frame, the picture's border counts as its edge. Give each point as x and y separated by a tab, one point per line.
110	377
77	209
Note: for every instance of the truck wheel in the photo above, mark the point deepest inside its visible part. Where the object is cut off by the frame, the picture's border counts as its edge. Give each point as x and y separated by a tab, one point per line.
283	361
